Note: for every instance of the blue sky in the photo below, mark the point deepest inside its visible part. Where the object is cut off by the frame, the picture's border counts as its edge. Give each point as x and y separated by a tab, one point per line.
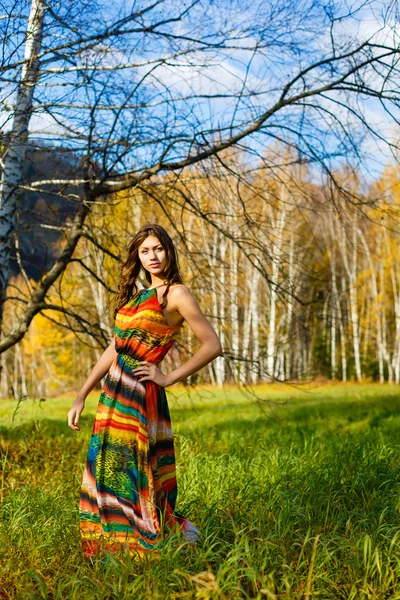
295	40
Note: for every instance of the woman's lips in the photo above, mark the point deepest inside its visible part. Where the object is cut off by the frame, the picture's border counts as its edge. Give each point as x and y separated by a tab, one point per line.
154	264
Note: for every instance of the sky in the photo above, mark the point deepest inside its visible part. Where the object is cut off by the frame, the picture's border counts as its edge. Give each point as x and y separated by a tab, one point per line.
292	41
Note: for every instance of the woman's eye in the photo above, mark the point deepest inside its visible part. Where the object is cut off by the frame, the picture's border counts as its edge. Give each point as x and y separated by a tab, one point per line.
158	249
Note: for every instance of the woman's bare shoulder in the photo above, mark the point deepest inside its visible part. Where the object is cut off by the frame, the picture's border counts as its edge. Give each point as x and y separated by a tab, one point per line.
179	292
180	288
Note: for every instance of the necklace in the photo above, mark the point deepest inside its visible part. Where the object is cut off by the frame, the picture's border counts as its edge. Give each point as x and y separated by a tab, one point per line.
157	286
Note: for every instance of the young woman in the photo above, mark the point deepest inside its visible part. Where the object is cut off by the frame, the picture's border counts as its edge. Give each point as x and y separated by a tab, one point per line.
129	486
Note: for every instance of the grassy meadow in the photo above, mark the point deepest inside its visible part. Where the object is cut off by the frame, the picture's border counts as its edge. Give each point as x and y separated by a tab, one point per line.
297	495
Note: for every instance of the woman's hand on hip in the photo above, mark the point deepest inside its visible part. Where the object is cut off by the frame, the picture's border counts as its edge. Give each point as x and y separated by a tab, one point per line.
150	372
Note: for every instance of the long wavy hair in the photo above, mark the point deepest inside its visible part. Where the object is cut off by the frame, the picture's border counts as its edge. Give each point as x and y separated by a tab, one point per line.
130	268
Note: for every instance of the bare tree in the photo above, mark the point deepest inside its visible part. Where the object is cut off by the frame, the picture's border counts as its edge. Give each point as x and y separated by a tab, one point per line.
17	140
131	92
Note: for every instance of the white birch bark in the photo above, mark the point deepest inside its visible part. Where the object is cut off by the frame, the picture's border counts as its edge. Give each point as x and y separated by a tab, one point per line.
189	333
218	367
335	241
395	280
351	271
15	373
378	305
333	314
246	338
247	321
211	283
337	311
136	213
17	141
343	336
95	261
189	345
255	319
386	353
271	327
396	293
247	326
288	349
36	383
278	225
4	376
367	310
220	360
354	308
22	371
234	309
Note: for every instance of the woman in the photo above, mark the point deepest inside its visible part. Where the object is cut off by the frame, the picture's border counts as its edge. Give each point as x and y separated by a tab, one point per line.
129	484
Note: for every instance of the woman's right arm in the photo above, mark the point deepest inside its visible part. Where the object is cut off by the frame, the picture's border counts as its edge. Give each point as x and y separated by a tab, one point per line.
97	373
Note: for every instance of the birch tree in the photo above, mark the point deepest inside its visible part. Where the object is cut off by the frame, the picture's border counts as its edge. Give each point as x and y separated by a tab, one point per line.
348	245
278	219
377	304
337	316
13	159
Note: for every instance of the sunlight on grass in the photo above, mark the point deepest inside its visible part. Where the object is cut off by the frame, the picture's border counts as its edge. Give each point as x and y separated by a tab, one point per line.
296	496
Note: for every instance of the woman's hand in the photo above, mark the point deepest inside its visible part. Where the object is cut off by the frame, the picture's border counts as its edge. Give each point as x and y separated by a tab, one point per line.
75	412
151	372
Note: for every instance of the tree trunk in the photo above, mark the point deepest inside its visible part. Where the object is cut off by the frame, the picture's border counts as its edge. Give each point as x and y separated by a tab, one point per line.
218	365
252	306
276	250
395	278
351	270
255	327
5	387
234	309
95	260
22	371
354	309
343	339
220	360
289	345
333	314
16	147
378	307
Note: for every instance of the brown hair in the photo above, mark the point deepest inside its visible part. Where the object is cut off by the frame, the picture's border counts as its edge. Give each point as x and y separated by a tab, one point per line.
130	268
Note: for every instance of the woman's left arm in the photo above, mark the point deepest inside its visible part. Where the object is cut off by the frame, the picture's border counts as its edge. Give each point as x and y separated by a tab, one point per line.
184	302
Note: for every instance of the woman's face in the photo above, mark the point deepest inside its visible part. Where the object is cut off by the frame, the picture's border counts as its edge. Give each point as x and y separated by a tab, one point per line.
152	255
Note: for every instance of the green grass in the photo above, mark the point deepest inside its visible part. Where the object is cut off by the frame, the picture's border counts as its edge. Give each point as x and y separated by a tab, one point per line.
296	497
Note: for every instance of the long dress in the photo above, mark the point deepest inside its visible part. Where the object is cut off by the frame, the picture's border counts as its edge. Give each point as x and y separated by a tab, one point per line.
129	486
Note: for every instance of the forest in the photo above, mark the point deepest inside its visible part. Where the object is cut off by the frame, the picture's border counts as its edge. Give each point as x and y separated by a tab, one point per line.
298	281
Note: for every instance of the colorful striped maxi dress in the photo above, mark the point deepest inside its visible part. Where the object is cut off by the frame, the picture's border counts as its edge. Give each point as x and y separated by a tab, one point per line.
129	486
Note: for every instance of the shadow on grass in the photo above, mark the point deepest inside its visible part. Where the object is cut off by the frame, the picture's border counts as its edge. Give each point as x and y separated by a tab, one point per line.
342	416
52	428
250	420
